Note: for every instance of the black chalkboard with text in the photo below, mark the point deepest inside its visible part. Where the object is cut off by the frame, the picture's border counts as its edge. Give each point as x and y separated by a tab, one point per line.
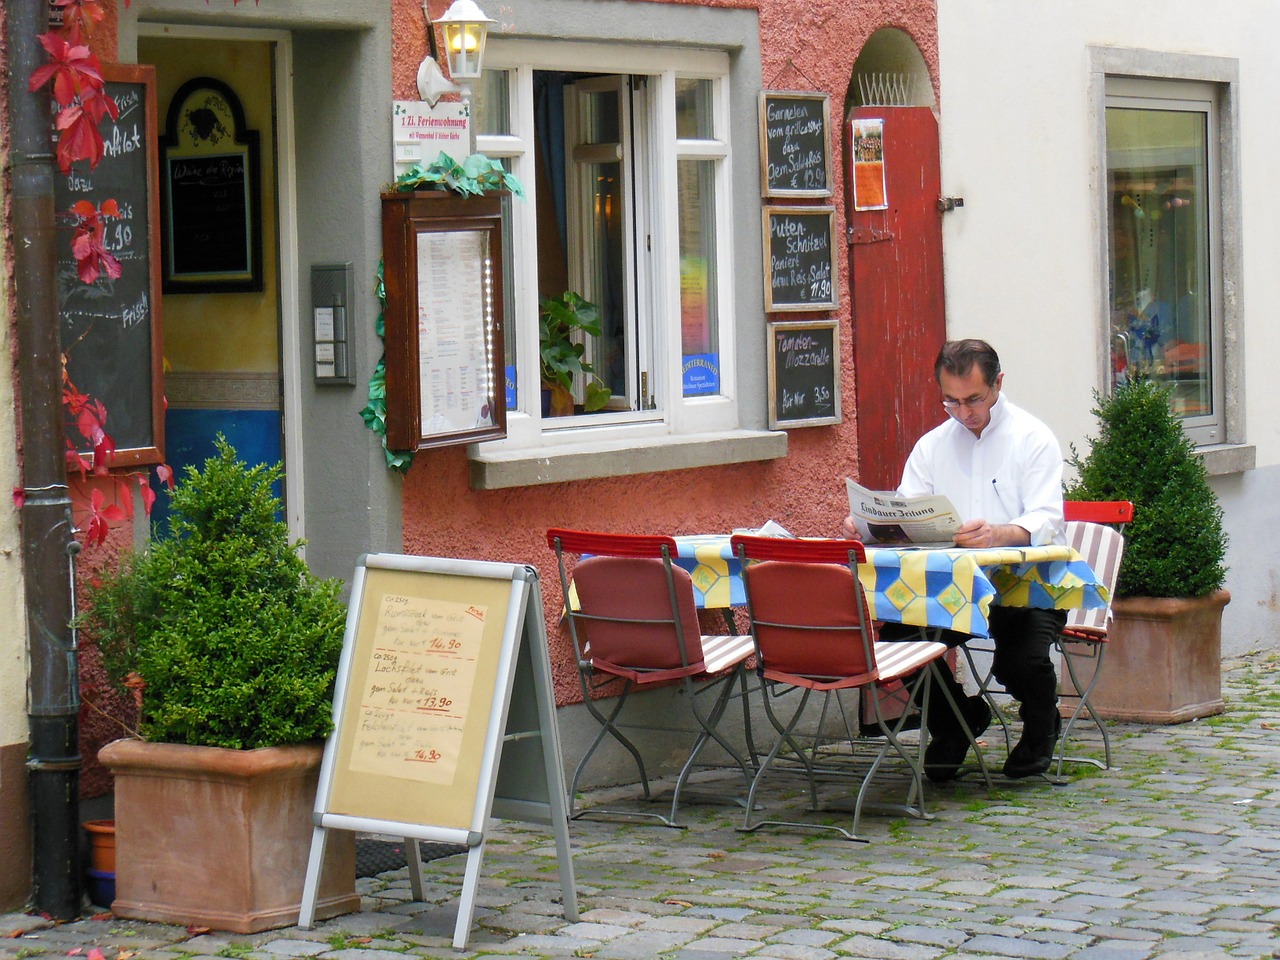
795	145
804	373
799	258
110	329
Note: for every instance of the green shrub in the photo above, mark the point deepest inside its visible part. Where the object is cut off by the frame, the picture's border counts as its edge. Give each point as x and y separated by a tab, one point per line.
1175	545
236	642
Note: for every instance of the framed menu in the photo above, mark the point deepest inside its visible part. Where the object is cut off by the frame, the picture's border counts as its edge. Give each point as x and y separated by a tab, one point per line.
111	331
795	144
212	193
799	258
443	332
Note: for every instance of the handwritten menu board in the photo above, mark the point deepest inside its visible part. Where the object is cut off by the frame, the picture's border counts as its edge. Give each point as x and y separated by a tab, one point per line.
804	373
418	690
443	332
419	694
799	258
110	329
795	145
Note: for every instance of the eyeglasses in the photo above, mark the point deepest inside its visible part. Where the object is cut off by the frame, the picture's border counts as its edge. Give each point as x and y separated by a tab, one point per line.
971	403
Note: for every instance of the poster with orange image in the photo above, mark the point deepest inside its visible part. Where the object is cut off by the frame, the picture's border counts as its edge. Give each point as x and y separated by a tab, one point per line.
868	165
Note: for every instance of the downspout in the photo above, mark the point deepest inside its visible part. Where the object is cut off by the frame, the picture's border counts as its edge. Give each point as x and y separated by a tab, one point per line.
48	544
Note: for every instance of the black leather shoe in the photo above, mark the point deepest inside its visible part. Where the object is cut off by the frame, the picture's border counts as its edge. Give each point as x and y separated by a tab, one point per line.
949	746
1033	754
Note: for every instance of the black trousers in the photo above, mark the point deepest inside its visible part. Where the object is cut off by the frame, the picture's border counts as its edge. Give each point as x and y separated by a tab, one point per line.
1023	663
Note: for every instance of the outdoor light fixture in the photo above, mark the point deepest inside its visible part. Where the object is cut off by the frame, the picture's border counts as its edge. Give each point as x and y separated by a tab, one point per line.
465	29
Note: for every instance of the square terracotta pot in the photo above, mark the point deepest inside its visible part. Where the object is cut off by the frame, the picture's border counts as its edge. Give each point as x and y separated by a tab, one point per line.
220	838
1163	663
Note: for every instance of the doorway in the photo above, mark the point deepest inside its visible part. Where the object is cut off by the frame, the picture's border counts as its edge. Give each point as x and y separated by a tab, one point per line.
224	351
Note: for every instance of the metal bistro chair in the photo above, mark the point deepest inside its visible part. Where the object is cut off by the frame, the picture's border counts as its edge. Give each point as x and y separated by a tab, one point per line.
1085	636
812	631
634	624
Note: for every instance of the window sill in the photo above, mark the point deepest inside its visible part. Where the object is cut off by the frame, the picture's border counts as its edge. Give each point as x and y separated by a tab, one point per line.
1221	459
623	457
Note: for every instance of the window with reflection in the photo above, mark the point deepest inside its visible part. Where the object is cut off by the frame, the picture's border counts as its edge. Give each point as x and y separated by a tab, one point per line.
1165	288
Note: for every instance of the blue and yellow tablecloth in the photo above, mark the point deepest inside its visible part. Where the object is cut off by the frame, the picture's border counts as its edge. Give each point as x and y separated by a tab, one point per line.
953	588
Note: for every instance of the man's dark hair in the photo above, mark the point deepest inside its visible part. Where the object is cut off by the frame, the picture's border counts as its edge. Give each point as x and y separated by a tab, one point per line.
958	357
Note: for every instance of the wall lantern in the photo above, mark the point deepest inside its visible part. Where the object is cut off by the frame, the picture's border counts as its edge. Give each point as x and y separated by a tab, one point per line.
465	29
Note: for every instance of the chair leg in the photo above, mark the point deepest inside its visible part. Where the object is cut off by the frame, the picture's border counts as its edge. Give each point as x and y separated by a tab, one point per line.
607	728
983	680
955	709
1083	703
785	739
709	731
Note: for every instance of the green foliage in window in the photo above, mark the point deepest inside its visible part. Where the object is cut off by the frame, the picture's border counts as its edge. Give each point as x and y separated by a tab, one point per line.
1175	545
235	642
561	320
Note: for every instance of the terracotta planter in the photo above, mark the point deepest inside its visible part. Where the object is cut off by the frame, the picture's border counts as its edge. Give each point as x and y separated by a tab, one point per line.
102	844
1164	661
220	838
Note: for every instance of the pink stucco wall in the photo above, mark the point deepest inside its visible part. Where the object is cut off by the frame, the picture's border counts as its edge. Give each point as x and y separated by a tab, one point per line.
810	46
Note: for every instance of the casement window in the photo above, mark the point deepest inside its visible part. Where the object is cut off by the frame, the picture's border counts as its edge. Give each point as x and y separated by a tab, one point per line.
1164	233
623	151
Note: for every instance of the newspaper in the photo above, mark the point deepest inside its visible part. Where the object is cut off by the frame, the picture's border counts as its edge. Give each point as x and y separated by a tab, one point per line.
771	528
883	516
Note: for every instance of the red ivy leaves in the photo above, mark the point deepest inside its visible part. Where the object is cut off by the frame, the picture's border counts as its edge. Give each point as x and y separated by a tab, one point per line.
87	245
90	418
79	91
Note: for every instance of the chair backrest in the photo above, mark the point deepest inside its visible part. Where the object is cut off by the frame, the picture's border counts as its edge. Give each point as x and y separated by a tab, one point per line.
634	609
808	611
1102	548
1114	513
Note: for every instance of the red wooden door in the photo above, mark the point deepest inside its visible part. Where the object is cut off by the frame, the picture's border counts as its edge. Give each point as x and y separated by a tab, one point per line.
895	260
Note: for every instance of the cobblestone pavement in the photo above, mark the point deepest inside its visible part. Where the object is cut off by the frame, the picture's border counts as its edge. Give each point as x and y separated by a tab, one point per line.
1175	853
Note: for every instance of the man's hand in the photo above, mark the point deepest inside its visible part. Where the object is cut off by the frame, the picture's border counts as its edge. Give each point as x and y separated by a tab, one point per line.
980	533
848	530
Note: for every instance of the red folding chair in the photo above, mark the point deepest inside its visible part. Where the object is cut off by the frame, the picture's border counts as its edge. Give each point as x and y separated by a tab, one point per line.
634	624
813	633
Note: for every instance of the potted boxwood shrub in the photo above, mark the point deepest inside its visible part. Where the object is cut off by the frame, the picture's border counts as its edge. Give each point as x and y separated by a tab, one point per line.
1164	661
234	646
562	323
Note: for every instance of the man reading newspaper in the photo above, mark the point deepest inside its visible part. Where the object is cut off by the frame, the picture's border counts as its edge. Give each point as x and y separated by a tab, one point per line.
1002	468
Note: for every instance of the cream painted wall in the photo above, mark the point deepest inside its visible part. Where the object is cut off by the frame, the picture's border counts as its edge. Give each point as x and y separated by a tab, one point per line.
1017	144
1022	257
13	639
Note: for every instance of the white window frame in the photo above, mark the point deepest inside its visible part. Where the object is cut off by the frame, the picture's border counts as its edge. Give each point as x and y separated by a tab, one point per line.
675	415
1190	97
1230	453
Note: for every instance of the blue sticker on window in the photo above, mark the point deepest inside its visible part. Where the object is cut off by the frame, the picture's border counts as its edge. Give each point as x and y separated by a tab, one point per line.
511	387
700	374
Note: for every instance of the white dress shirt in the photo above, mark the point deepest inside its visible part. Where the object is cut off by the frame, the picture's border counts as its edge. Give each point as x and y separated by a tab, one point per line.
1012	473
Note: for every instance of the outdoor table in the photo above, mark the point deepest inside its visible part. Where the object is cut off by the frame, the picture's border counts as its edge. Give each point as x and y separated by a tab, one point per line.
949	587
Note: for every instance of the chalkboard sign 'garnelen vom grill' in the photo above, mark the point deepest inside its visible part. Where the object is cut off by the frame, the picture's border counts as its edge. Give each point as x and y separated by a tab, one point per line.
804	373
799	258
795	147
212	193
110	329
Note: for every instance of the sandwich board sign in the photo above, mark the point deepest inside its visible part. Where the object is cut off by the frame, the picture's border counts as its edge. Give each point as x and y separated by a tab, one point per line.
444	716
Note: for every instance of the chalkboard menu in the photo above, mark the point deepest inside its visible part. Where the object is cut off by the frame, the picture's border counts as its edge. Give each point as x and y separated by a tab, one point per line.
212	193
795	148
804	373
799	258
110	329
